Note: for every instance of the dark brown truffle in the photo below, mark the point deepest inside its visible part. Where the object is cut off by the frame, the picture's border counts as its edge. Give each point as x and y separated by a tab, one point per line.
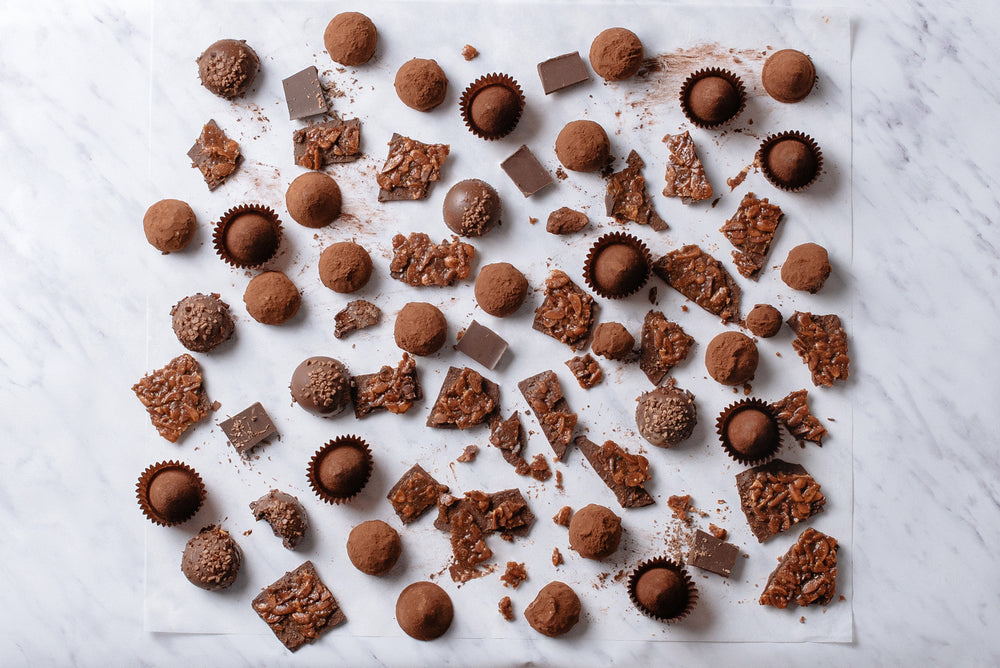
169	225
613	341
345	267
420	328
790	161
340	469
170	493
731	358
271	298
247	236
284	513
750	432
421	84
313	200
806	268
321	386
212	559
618	269
616	54
424	611
666	416
662	592
788	75
373	547
555	610
350	38
500	289
228	68
491	106
713	100
764	321
471	208
202	322
583	146
595	531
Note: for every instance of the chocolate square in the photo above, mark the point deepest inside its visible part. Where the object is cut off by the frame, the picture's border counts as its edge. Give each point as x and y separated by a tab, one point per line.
526	172
487	401
414	493
410	168
482	344
776	496
248	428
299	607
629	496
562	72
713	555
545	398
304	95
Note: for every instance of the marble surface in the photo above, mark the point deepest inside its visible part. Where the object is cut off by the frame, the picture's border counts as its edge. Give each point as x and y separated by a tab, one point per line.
75	131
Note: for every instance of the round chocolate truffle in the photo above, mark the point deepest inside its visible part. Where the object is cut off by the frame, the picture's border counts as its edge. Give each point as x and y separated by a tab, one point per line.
764	320
345	267
373	547
251	238
713	100
321	385
495	110
788	75
169	225
343	471
612	340
212	559
595	531
500	289
555	610
228	68
666	416
616	54
271	298
751	433
662	591
731	358
202	322
471	208
174	494
806	268
583	146
421	84
618	269
420	328
424	611
350	38
791	162
313	200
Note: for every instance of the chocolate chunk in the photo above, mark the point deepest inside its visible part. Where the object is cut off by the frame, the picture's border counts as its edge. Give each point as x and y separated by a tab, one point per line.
566	221
777	495
567	312
514	575
303	94
468	546
685	174
793	412
544	395
298	607
285	515
663	345
248	428
215	155
390	389
468	455
414	493
174	396
623	472
327	143
409	169
751	230
702	279
466	399
482	344
626	199
508	436
358	314
586	370
526	172
713	555
506	512
807	573
418	262
562	72
821	342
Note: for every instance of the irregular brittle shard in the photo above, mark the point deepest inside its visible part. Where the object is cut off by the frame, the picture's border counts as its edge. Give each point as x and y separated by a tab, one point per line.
821	342
793	412
663	345
410	168
702	279
685	174
627	200
751	230
807	573
567	312
776	496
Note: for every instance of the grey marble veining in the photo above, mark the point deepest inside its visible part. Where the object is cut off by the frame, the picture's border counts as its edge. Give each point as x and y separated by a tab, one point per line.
73	86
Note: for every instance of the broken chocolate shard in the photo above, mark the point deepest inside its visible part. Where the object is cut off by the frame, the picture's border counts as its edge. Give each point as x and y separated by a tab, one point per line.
526	172
410	169
482	344
466	399
620	470
414	493
562	72
390	389
545	398
298	607
327	143
713	555
304	94
627	200
248	428
215	155
358	314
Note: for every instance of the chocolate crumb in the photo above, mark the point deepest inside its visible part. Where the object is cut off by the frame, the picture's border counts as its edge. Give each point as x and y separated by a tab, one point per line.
556	557
514	575
469	52
562	517
540	468
506	609
469	454
718	532
679	506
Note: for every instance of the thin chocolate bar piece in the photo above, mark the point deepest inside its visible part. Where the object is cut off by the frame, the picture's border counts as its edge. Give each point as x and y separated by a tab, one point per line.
562	72
807	573
777	495
545	398
304	95
409	169
248	428
626	198
389	389
526	172
215	155
414	493
358	314
468	545
299	607
466	399
327	143
623	472
505	512
174	396
482	344
713	555
418	262
567	312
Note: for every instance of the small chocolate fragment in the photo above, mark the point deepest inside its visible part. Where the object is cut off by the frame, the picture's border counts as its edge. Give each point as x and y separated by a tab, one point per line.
623	472
679	506
298	607
284	513
806	575
627	200
555	610
424	611
514	575
702	279
248	428
545	398
751	230
562	72
174	396
793	412
327	143
466	399
508	436
409	169
663	345
212	559
414	493
539	468
713	555
586	370
567	313
304	95
777	495
418	262
821	342
469	52
506	609
482	344
358	314
469	454
566	221
685	174
374	547
394	390
526	172
562	518
215	155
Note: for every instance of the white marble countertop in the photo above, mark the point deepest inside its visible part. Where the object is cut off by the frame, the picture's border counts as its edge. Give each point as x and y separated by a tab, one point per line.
74	84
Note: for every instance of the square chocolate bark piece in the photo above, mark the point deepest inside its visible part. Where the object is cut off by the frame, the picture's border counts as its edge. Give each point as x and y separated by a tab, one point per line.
627	200
663	345
685	174
248	428
215	155
567	312
174	396
623	472
415	492
304	94
328	143
713	555
562	72
821	342
751	230
358	314
526	172
466	399
793	412
389	389
299	607
702	279
807	573
482	344
418	262
776	496
545	398
410	169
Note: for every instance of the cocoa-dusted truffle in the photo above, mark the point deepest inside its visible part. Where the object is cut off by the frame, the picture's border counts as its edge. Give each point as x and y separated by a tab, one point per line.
491	106
791	161
595	531
500	289
666	416
202	322
170	492
711	97
228	68
321	385
340	469
806	268
424	611
471	208
373	547
313	200
751	432
420	328
764	321
583	146
345	267
617	269
731	358
616	54
248	235
212	559
421	84
555	610
788	75
284	513
662	590
169	225
271	298
613	341
350	38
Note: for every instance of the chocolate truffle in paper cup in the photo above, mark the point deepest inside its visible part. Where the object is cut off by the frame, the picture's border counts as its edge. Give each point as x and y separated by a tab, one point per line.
749	431
247	235
790	161
340	469
618	265
491	106
712	97
170	493
662	589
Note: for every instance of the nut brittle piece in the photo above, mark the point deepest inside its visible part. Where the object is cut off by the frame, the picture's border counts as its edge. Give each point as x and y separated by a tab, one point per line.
174	396
663	345
626	199
806	575
394	390
410	168
466	399
702	279
821	342
777	495
508	436
545	398
327	143
793	412
358	314
299	607
685	174
623	472
586	370
215	155
567	312
414	493
751	230
418	262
